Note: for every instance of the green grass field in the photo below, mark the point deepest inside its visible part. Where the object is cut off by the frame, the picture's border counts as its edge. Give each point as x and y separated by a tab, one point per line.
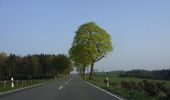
125	93
116	78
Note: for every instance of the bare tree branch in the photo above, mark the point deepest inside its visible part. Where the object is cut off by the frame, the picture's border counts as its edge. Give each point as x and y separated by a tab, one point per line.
96	60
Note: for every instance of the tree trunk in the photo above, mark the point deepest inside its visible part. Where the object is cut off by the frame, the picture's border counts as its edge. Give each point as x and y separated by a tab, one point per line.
84	71
91	71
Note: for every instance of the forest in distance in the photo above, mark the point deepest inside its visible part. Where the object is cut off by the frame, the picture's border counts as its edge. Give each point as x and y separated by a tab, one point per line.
37	66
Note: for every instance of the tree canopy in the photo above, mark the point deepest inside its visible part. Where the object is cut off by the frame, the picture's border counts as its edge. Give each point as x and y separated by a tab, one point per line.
90	44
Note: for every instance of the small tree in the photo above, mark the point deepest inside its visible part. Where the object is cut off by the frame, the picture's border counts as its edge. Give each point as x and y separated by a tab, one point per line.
79	57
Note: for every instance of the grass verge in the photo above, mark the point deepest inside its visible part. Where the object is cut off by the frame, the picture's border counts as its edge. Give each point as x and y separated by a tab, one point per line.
125	93
26	83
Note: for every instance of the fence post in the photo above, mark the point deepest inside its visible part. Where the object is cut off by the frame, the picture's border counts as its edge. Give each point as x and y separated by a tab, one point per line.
25	82
17	82
12	82
4	83
107	82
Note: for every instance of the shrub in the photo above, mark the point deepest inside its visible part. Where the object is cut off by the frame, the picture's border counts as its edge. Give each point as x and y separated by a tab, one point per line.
161	86
151	88
139	86
126	85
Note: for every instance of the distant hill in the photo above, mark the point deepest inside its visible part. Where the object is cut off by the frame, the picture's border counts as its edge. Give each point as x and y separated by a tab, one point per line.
163	74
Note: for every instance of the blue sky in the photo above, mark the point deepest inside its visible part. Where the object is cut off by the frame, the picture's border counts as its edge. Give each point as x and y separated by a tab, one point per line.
140	29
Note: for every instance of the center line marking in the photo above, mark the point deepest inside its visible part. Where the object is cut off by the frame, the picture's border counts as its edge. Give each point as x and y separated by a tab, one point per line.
60	87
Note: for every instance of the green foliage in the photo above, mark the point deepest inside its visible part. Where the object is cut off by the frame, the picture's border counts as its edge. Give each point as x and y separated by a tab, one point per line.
34	62
62	63
151	88
92	40
3	58
33	66
134	88
163	88
129	85
123	92
91	43
145	74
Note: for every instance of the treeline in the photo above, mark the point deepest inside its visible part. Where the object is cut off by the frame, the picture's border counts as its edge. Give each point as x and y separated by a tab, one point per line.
163	74
145	74
37	66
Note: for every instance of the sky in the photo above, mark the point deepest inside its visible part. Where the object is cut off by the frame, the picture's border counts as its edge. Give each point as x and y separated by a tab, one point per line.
140	29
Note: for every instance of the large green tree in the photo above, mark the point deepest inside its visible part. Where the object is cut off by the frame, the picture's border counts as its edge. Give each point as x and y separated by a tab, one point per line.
77	55
91	43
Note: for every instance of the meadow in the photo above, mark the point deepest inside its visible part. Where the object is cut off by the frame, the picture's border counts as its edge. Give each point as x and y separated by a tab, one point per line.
128	88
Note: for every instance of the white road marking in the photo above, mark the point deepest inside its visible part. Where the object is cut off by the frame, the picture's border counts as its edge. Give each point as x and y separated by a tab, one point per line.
105	91
19	89
60	87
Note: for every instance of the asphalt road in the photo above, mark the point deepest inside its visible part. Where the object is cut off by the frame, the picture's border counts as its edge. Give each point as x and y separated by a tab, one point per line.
67	89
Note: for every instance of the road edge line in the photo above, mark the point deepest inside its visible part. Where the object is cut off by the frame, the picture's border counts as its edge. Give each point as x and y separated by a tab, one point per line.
60	87
20	89
104	90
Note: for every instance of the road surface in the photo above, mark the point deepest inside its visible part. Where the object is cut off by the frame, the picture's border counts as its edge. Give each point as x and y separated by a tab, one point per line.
67	89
